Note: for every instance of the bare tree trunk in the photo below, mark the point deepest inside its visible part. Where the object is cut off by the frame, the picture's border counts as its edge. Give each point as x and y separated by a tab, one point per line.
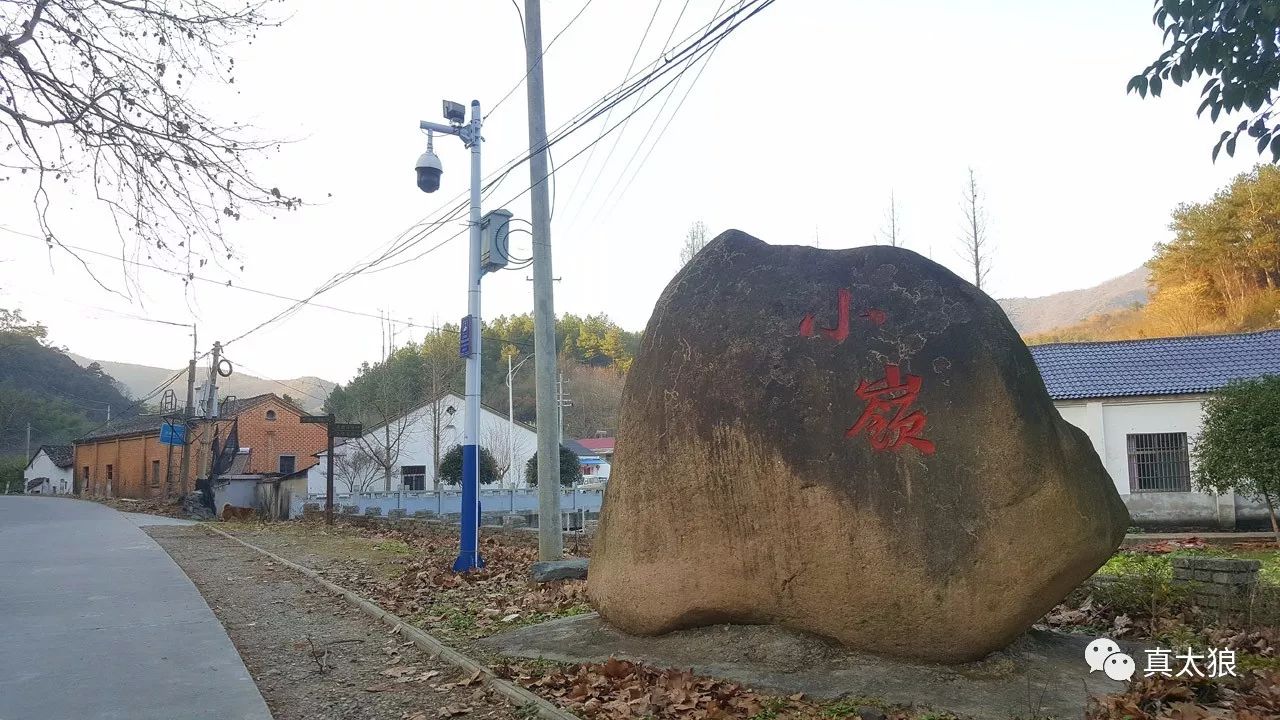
890	232
1271	509
976	250
386	459
435	447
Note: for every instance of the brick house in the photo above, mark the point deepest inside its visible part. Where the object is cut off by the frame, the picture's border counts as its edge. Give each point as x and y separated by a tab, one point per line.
125	458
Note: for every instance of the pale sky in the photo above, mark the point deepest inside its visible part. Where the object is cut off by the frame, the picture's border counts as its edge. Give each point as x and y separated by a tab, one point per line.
803	123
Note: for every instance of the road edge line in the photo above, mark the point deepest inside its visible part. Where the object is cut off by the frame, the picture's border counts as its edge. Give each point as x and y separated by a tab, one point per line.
429	644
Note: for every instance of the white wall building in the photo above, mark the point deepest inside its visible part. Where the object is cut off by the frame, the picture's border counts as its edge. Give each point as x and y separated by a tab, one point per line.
1141	403
50	471
411	439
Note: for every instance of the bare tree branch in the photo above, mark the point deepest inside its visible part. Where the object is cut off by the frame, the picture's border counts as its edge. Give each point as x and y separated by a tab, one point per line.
98	90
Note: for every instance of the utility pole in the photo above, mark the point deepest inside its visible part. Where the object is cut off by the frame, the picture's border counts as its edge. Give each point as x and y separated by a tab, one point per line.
108	413
511	426
187	414
550	541
29	439
211	409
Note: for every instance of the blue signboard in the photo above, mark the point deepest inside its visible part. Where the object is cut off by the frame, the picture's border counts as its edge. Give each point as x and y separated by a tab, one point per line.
464	338
171	434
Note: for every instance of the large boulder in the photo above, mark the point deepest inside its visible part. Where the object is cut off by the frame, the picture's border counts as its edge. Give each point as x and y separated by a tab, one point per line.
855	443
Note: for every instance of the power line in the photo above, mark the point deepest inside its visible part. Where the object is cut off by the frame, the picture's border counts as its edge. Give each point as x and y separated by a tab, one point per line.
277	296
671	118
603	106
591	189
683	58
259	373
541	55
143	400
573	191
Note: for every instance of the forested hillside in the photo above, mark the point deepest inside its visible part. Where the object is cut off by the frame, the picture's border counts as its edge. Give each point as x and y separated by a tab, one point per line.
594	356
1219	274
40	385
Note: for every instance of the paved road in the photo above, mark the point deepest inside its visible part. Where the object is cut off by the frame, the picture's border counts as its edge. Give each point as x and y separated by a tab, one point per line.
98	623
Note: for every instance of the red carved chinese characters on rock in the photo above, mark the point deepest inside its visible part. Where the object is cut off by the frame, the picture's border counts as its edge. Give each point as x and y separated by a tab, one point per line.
888	419
844	302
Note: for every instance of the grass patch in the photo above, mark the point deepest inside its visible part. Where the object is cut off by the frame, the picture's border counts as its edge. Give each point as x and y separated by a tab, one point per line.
773	709
849	707
1129	563
395	547
1141	584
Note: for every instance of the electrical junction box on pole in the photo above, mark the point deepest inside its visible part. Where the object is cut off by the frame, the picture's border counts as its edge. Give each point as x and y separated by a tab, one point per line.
495	235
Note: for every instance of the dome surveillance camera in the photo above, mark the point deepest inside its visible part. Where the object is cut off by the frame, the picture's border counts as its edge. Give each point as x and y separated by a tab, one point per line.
429	171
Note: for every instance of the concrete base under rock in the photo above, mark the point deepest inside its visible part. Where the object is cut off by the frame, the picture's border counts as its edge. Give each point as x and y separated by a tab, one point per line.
1042	673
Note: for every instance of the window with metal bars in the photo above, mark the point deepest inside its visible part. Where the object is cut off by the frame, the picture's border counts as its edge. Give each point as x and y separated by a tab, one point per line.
414	477
1158	462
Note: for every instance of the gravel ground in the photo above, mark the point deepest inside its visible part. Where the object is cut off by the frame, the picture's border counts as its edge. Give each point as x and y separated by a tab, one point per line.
287	627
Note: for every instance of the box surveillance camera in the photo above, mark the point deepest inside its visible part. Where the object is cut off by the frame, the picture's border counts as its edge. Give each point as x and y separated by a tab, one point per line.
455	113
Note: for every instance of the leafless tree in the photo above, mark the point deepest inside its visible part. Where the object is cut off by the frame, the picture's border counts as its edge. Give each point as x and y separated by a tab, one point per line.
505	445
382	445
386	409
891	233
355	468
597	393
100	91
694	241
975	241
441	367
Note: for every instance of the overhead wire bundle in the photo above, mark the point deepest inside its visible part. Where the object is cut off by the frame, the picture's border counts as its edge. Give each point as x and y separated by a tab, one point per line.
666	69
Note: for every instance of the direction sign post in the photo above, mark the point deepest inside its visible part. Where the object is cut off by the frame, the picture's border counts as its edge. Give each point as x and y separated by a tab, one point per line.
332	430
347	430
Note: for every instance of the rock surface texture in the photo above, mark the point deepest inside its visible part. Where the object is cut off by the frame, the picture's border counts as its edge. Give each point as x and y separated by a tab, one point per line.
854	443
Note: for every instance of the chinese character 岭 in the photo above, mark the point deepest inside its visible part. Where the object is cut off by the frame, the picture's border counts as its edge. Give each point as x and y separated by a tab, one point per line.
887	418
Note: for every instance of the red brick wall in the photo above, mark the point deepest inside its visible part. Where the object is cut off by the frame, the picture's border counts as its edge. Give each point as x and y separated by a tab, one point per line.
132	461
132	458
269	439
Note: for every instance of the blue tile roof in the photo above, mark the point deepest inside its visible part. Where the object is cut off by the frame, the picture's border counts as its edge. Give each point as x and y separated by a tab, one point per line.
1159	366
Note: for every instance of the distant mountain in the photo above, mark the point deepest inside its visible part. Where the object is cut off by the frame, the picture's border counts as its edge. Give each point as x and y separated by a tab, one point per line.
138	380
1042	314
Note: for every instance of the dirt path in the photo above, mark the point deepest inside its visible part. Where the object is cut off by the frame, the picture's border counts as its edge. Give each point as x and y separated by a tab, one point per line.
313	656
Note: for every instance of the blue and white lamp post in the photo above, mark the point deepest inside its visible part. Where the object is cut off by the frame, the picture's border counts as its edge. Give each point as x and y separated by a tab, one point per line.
429	171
